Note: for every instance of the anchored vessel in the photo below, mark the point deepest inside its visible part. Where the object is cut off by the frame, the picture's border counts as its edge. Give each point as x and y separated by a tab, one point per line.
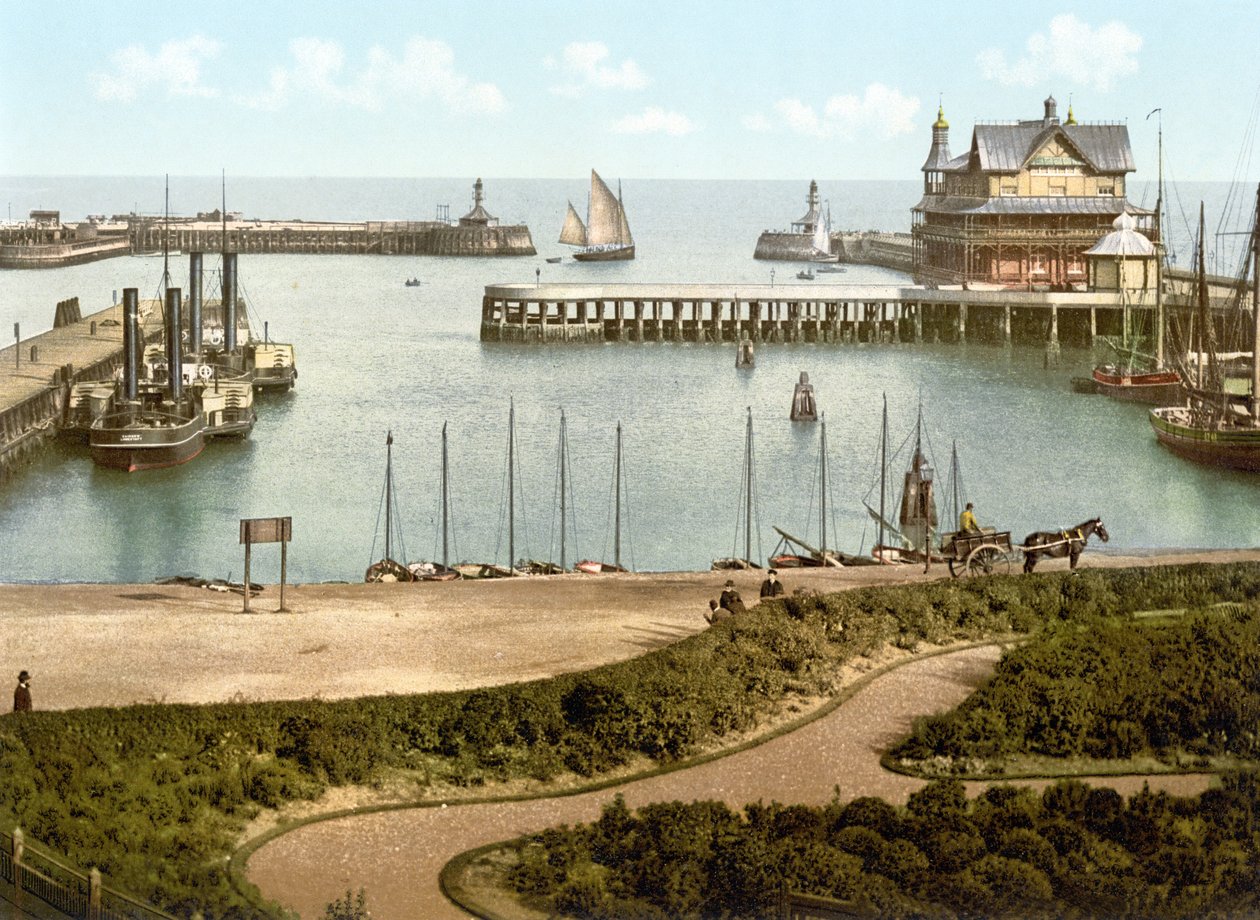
748	486
594	566
605	237
155	428
1214	425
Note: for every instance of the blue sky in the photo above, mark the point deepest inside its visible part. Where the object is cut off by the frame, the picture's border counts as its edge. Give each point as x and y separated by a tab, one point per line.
646	89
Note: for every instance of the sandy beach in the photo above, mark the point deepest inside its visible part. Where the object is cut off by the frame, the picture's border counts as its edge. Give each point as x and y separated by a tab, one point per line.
110	645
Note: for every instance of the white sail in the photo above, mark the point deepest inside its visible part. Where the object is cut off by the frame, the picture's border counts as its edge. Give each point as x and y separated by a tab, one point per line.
624	226
822	238
604	217
574	231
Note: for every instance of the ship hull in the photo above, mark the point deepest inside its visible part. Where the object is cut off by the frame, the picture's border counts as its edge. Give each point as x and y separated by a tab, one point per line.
140	446
1155	388
620	254
1235	447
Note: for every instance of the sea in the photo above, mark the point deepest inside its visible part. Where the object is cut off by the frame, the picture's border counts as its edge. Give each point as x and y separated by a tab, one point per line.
376	358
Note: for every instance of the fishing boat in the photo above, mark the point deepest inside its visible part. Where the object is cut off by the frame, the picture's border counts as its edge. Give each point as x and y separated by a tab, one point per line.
788	553
440	571
563	489
1138	377
155	427
593	566
387	568
822	241
748	489
605	237
806	274
493	569
554	260
412	282
1216	426
910	538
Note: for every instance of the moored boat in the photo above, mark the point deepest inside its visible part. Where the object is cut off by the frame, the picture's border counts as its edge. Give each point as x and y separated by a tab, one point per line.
745	512
593	566
387	568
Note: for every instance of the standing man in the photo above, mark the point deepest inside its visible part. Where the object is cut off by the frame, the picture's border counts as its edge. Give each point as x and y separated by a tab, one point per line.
771	587
22	695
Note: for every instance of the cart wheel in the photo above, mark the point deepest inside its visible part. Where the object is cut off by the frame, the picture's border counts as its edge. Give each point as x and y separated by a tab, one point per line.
956	568
988	560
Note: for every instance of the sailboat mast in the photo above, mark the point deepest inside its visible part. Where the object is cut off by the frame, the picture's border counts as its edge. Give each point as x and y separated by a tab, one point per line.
511	488
389	491
562	488
1255	313
748	474
1159	252
617	501
446	504
822	476
166	241
953	478
1202	311
883	471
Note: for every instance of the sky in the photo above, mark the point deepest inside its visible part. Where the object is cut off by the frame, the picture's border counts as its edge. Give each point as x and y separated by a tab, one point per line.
643	89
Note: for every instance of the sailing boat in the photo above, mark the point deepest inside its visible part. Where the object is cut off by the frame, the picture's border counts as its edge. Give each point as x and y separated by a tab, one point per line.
605	237
1214	426
440	571
822	241
817	556
591	566
489	569
387	568
1145	379
910	539
535	567
747	489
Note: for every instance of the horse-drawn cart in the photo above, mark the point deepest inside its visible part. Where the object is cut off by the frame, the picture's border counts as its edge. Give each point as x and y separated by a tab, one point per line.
983	552
989	552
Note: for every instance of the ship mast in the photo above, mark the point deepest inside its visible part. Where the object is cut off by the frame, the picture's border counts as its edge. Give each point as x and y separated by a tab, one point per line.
562	487
1159	250
883	474
511	488
1255	314
446	505
389	497
617	501
822	475
748	474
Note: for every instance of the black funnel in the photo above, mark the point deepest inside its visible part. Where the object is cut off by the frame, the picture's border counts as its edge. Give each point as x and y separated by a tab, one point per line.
229	301
131	341
194	303
174	347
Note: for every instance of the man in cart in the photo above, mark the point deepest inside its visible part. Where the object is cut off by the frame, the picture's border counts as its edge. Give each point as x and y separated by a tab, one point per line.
967	520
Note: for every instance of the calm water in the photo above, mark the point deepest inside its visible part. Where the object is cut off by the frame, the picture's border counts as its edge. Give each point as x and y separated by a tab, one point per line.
374	355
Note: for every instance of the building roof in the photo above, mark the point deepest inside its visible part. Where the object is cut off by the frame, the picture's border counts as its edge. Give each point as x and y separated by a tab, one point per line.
1124	240
478	215
1010	204
1009	147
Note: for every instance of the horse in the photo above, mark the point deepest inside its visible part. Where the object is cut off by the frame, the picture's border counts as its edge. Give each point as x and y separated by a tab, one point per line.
1059	543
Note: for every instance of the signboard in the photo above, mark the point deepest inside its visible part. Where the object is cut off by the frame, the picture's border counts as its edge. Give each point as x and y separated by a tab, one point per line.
266	530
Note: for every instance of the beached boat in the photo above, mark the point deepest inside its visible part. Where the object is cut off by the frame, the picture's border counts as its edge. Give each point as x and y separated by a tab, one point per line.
387	568
605	237
748	488
788	554
595	567
1216	426
910	538
443	570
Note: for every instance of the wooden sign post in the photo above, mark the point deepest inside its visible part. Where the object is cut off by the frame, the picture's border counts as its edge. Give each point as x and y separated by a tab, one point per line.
266	530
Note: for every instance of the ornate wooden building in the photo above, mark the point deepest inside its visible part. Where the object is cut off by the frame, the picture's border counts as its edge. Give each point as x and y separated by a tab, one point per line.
1024	203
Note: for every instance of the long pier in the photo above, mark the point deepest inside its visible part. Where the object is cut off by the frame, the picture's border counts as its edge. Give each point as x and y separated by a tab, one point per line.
799	312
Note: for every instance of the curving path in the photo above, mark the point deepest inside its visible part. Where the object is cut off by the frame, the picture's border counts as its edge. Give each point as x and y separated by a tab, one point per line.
397	855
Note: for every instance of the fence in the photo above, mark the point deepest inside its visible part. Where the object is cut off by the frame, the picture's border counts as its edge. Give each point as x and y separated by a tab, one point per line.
29	877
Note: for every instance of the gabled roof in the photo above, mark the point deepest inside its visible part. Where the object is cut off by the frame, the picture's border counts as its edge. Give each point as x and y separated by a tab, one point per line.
1007	148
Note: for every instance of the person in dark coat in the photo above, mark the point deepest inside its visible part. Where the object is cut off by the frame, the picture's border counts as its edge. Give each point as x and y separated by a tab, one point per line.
22	694
730	598
716	614
771	587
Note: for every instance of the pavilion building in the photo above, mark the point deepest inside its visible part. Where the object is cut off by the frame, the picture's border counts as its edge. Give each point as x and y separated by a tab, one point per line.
1023	205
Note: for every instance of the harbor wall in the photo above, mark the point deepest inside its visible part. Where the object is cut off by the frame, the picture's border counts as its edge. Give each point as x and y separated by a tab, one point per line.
887	250
37	375
782	246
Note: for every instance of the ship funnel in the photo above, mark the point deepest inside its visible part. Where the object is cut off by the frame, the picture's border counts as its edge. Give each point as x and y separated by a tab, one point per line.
131	341
229	302
194	303
174	347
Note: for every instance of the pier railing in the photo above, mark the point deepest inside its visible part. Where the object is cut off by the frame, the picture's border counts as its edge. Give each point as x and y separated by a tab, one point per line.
31	878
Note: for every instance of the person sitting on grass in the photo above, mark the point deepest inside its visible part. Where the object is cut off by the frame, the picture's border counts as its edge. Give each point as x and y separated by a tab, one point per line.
716	614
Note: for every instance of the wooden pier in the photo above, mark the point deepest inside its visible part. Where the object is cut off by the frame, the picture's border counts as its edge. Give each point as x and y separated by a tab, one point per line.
817	312
37	374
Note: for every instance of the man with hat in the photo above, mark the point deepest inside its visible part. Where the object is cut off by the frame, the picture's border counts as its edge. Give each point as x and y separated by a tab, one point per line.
730	598
771	587
22	695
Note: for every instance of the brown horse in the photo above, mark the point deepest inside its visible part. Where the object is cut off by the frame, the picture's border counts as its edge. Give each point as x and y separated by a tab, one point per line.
1059	543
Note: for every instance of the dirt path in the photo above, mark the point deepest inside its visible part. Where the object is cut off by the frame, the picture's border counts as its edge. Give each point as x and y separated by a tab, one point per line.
397	855
109	645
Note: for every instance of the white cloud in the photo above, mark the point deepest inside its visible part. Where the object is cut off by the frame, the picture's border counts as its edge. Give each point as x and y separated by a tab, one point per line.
425	69
587	66
655	120
1087	56
176	66
880	109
